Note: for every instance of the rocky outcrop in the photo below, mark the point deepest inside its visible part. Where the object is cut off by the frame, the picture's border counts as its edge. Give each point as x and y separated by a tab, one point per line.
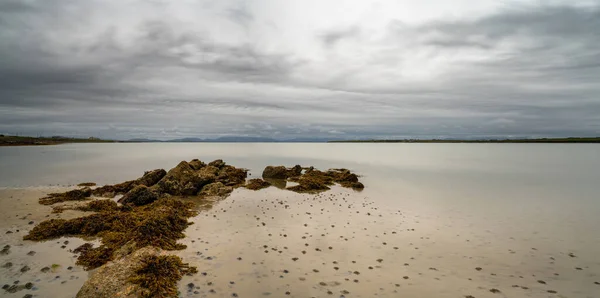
140	195
149	178
281	172
312	179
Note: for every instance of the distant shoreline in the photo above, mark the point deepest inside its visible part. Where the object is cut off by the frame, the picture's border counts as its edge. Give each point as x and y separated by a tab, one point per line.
542	140
6	141
45	141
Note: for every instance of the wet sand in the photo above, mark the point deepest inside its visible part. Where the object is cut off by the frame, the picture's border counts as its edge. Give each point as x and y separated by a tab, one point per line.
275	243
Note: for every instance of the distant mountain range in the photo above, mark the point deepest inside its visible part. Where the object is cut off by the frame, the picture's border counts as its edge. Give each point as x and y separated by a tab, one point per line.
234	139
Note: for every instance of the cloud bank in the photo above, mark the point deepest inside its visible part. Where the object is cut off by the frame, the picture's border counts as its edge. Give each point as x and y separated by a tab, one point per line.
285	69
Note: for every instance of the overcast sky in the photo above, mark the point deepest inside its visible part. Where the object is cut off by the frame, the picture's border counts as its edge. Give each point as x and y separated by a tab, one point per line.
300	68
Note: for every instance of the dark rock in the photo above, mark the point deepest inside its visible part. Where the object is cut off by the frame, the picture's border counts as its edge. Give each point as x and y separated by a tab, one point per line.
182	180
7	265
25	268
140	195
219	163
308	184
275	172
150	178
197	164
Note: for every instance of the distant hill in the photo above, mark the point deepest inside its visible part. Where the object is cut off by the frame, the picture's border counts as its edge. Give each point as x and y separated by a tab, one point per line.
234	139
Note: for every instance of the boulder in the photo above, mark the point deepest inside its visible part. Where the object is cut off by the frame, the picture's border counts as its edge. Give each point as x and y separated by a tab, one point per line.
151	177
197	164
181	180
275	172
219	163
138	196
232	176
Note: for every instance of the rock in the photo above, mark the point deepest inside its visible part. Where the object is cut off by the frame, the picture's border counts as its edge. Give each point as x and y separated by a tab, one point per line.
219	163
25	268
140	195
112	279
182	180
308	184
5	250
256	184
295	171
87	184
232	176
7	265
150	178
275	172
197	164
216	189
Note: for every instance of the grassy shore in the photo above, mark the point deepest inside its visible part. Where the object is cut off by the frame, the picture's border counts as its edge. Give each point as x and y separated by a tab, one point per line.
33	141
542	140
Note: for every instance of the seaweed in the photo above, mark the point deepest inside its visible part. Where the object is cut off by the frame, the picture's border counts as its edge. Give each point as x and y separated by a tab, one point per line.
158	224
158	275
72	195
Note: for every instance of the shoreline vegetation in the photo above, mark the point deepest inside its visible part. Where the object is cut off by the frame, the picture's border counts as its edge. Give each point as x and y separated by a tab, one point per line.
40	141
540	140
138	230
57	140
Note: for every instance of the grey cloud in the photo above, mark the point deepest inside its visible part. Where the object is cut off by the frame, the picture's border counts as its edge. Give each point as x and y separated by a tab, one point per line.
331	37
526	72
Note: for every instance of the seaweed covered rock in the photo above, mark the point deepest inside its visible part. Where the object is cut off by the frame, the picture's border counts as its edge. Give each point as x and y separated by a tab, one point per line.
158	275
275	172
232	176
256	184
149	178
114	279
197	164
182	180
216	189
138	196
72	195
312	179
308	184
218	163
281	172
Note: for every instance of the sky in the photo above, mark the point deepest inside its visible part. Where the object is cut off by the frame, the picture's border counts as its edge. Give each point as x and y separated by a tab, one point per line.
335	69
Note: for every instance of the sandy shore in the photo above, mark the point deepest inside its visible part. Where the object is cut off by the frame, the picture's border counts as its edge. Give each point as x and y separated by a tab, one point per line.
275	243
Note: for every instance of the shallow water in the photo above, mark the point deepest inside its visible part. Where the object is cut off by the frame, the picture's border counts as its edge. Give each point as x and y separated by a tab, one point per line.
515	210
